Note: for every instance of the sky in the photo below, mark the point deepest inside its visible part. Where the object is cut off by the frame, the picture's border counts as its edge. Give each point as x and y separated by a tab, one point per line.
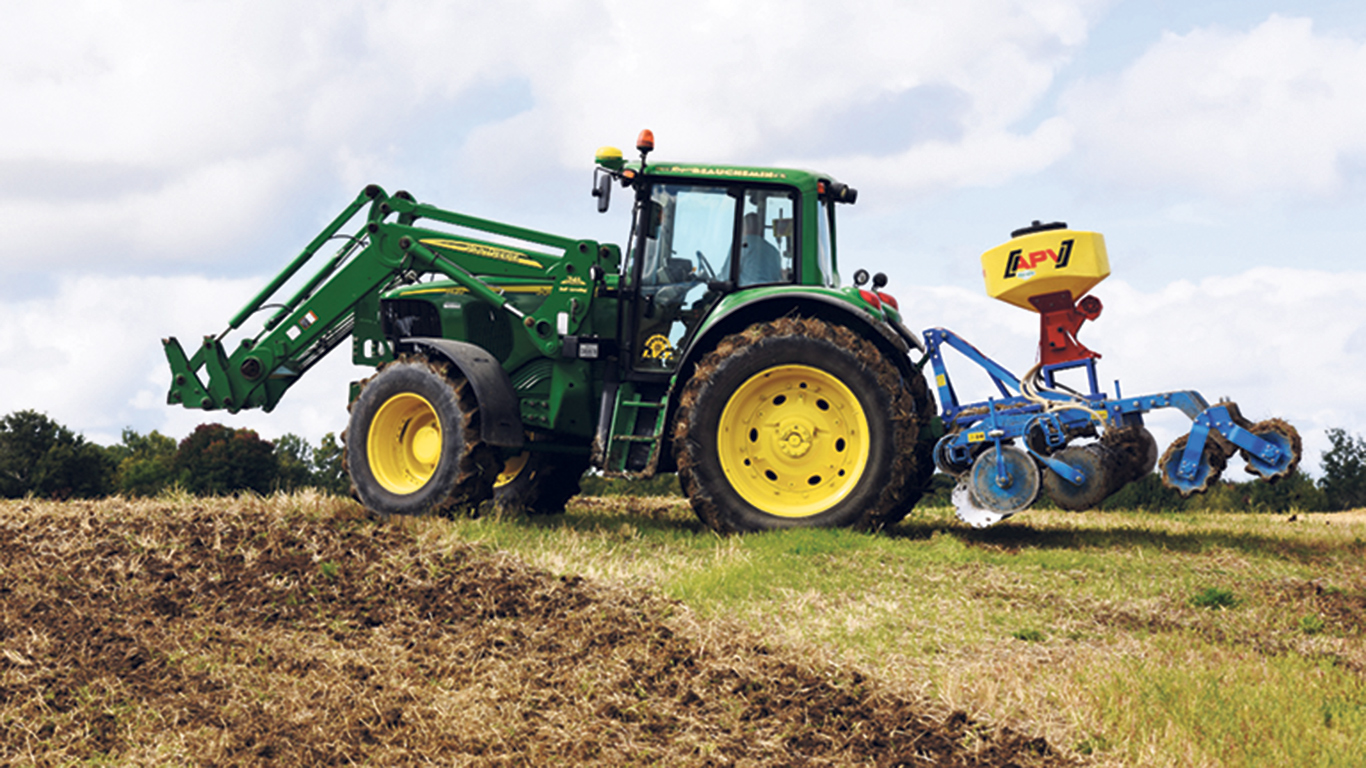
161	159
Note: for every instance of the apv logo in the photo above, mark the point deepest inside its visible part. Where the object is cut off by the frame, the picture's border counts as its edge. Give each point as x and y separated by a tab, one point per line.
1017	260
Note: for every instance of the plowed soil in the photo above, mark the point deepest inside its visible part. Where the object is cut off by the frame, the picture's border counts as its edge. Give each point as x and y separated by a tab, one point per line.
295	631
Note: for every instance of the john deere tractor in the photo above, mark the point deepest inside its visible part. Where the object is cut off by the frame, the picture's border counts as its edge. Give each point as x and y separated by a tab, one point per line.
719	343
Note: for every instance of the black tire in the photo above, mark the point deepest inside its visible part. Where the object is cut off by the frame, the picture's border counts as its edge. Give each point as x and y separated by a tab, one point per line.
920	468
539	483
832	376
413	443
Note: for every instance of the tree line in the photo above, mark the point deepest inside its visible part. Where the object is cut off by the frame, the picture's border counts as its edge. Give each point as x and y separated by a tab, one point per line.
38	456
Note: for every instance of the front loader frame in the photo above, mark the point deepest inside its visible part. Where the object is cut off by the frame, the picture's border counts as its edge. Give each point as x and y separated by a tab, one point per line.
379	255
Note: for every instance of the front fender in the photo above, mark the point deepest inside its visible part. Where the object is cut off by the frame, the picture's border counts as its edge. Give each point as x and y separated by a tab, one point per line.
500	421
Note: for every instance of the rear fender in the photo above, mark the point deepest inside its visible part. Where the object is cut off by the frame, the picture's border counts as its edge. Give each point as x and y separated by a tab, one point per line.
500	420
732	318
739	316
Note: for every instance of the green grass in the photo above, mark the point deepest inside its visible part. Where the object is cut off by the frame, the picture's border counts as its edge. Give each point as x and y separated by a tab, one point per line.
1133	639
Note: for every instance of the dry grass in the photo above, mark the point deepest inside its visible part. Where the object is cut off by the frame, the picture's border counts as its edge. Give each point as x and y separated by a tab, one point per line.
293	630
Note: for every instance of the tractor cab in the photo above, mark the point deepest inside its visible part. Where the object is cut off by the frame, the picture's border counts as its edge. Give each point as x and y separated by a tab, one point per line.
703	232
696	243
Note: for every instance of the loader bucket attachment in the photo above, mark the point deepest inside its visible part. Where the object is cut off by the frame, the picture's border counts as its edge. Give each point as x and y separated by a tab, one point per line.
185	387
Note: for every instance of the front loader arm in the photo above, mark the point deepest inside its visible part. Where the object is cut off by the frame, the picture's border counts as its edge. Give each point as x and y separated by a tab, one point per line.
378	256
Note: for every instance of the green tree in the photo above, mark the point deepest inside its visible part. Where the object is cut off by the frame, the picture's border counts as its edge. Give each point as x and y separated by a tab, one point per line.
294	457
1344	471
329	472
1293	492
145	463
1146	493
216	459
42	457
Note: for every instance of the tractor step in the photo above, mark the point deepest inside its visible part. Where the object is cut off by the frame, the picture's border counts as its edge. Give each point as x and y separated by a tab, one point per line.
637	427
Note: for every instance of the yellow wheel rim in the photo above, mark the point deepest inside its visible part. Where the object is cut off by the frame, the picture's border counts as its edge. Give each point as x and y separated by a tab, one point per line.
404	444
793	441
511	469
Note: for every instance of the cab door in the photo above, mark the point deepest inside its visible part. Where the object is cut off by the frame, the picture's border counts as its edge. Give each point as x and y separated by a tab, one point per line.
689	237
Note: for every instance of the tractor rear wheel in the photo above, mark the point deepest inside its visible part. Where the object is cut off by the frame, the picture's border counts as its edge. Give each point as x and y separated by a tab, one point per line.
413	444
538	483
794	423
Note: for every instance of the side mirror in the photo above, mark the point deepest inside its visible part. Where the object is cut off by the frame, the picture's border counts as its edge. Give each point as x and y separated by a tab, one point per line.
602	190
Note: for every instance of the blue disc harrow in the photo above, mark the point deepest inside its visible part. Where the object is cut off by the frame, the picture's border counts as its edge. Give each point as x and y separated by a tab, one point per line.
1005	450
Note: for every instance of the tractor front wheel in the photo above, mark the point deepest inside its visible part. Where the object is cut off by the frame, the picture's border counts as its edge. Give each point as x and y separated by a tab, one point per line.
797	423
413	443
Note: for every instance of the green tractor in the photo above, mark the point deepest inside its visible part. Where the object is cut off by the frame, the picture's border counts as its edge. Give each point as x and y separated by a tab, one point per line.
719	345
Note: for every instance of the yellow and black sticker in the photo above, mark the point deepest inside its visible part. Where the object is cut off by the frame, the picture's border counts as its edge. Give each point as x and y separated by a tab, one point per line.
657	347
572	284
486	251
976	437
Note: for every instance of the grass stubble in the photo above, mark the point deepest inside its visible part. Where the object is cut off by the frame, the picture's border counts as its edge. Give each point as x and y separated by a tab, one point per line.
292	629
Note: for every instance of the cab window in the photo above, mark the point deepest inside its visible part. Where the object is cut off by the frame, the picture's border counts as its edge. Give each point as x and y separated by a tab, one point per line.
824	253
767	241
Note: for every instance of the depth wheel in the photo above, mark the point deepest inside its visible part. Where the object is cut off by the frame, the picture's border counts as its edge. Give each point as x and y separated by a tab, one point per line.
413	443
797	423
538	483
1014	492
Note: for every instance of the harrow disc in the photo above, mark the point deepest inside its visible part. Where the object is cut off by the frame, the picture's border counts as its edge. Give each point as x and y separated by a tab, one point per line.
1284	437
970	511
1092	461
1008	493
1213	459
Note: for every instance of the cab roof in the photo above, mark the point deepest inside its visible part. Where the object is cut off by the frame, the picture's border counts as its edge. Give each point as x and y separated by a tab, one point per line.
803	179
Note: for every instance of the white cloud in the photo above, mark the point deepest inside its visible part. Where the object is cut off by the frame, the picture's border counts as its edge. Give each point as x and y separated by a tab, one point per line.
185	219
150	136
154	128
987	157
90	357
1278	109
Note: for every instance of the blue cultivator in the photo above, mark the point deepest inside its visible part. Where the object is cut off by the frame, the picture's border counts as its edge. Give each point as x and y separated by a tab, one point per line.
1004	451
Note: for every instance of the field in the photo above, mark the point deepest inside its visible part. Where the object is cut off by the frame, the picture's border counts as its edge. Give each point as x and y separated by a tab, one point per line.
296	630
